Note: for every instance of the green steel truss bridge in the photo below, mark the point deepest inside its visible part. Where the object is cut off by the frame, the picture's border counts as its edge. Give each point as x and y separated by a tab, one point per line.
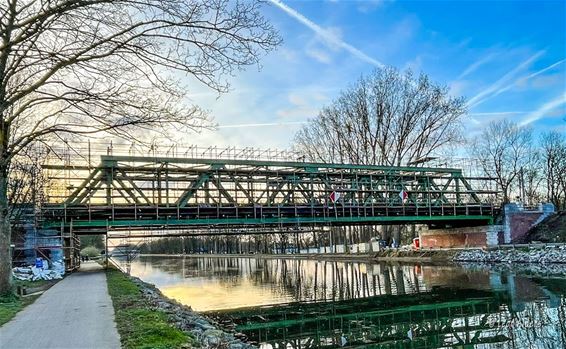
127	193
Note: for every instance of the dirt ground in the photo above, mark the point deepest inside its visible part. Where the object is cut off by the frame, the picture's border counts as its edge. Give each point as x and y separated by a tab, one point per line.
552	229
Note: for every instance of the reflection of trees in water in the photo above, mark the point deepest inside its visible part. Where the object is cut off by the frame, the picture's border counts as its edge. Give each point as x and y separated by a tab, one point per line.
332	280
301	279
537	326
534	325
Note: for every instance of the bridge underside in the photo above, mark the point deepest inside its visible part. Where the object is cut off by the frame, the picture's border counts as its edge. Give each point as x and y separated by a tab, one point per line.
137	193
89	220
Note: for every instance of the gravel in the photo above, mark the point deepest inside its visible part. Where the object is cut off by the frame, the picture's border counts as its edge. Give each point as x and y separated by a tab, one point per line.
534	260
543	255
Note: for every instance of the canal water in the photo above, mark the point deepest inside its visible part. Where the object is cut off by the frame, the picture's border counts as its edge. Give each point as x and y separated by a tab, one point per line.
298	303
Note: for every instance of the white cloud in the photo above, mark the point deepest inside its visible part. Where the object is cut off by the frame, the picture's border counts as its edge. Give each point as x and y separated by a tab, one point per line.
522	81
543	70
288	54
457	88
297	99
263	124
304	104
369	5
319	55
499	84
329	36
544	110
500	113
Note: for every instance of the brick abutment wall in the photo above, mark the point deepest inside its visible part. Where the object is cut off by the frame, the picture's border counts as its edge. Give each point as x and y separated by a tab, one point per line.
518	221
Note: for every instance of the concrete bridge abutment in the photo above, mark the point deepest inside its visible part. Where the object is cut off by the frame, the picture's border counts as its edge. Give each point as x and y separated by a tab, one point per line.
516	224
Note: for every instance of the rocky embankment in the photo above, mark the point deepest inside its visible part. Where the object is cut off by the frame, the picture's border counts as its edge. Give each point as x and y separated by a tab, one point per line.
544	255
548	260
206	333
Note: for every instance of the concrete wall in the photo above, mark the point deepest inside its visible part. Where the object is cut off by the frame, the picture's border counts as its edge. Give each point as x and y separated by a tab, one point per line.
518	220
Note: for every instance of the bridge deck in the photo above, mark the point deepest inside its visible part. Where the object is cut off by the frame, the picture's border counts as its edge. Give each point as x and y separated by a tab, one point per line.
93	218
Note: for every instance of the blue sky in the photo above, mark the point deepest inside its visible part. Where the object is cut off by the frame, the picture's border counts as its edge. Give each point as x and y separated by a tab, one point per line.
506	57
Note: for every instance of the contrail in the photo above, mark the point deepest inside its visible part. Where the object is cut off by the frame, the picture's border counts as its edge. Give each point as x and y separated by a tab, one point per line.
543	70
474	66
525	78
328	36
498	84
263	124
545	108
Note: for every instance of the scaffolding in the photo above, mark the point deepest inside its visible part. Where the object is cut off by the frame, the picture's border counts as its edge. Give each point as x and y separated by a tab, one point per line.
139	192
160	189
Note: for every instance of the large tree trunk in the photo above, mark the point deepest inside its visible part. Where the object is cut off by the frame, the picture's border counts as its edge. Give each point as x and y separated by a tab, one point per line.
5	235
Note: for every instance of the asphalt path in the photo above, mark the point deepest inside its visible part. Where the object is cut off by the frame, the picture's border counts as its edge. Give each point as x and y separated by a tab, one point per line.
75	313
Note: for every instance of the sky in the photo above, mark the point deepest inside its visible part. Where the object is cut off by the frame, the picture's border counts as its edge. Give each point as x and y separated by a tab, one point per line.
507	58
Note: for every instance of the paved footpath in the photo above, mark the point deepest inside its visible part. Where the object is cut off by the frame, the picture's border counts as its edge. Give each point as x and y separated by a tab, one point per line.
75	313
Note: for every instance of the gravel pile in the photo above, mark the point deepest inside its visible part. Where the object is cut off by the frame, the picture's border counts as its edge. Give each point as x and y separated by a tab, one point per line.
545	255
207	334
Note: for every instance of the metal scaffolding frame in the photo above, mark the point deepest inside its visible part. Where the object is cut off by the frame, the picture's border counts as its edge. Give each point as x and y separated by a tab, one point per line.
135	192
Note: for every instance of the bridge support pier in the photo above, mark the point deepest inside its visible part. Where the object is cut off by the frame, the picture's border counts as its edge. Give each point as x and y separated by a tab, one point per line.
480	236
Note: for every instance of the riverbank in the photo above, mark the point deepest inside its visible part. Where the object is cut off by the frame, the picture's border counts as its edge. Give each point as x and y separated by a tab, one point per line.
146	318
525	254
536	254
385	256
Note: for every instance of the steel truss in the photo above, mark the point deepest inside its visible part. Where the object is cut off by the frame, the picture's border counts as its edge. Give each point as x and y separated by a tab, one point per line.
126	192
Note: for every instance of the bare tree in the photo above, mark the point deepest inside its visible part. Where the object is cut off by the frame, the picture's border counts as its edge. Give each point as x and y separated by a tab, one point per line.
387	118
531	178
81	67
554	156
503	149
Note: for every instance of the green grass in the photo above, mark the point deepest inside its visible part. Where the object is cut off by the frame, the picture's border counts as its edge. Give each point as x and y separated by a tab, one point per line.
33	284
139	325
11	304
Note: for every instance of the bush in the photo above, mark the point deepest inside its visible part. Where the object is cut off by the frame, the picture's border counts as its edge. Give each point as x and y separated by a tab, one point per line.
90	251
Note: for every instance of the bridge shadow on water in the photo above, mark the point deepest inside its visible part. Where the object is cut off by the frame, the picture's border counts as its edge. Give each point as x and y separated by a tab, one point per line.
329	304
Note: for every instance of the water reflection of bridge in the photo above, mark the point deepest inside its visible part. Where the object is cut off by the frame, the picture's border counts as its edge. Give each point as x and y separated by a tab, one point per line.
375	305
437	318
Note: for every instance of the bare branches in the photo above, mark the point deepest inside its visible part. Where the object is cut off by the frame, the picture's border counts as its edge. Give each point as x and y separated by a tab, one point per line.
80	67
93	65
504	150
554	165
387	118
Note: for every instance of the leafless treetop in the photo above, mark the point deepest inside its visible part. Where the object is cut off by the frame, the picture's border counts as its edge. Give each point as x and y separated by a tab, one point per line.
80	67
387	118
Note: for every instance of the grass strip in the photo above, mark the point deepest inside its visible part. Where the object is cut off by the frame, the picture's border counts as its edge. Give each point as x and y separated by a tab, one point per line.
11	304
139	324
